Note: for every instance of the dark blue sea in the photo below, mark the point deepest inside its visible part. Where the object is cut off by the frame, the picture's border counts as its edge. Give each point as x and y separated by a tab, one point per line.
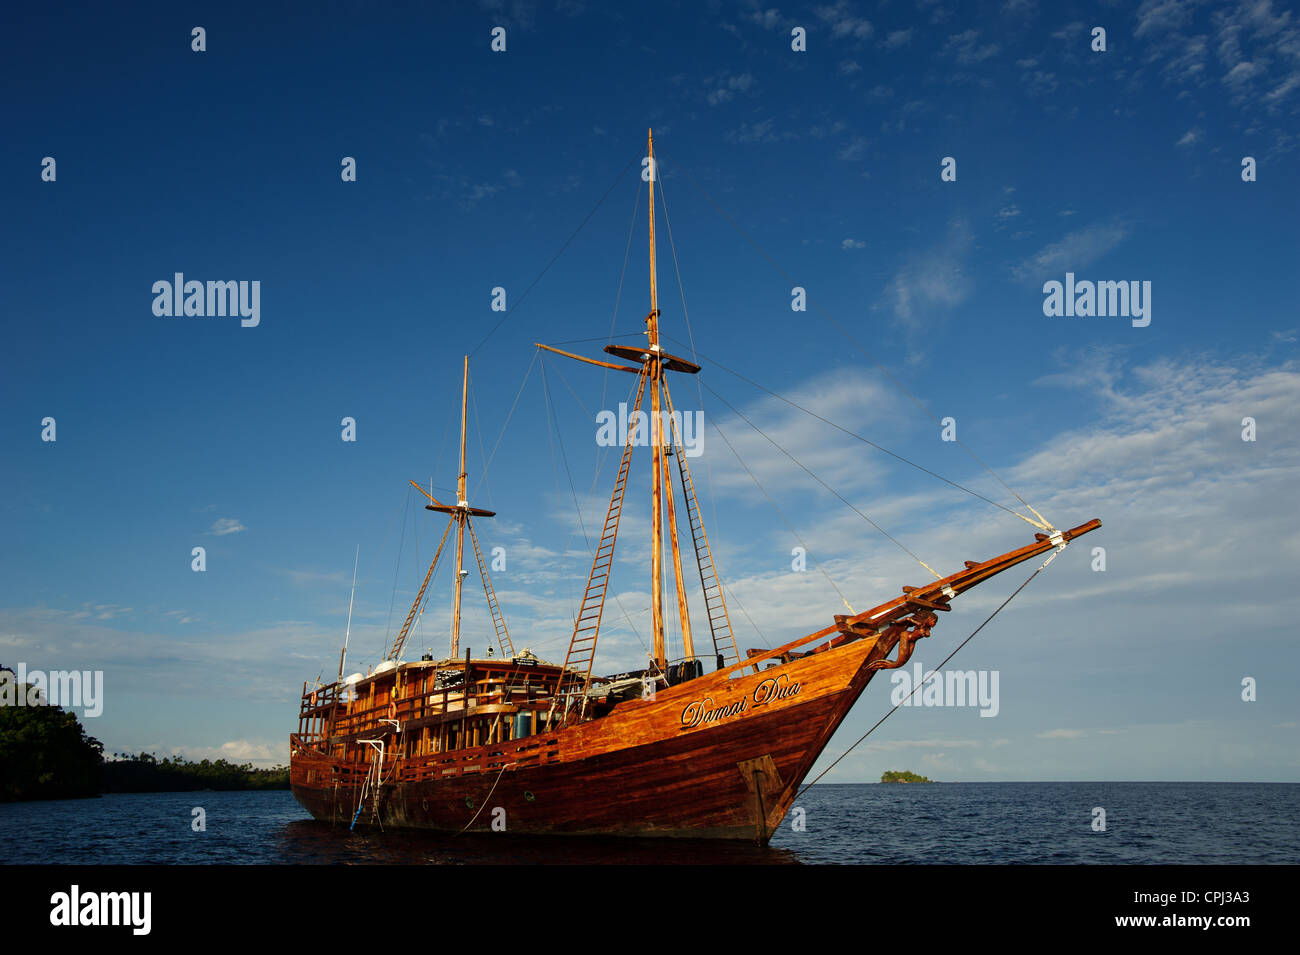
963	823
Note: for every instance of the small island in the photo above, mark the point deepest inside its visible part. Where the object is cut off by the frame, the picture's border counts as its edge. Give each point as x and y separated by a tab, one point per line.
902	776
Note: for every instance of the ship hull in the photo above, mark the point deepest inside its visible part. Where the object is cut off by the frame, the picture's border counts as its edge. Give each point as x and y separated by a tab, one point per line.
643	770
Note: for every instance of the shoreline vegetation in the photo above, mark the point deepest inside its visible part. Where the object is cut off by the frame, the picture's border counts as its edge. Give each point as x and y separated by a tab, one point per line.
902	776
45	753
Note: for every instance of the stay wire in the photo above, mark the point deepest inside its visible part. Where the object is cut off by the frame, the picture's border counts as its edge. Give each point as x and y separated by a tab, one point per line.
554	426
396	570
809	472
511	310
618	297
690	333
781	515
1045	525
853	434
522	384
1040	569
478	426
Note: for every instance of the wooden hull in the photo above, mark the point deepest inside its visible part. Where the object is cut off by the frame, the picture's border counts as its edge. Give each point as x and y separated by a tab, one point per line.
715	758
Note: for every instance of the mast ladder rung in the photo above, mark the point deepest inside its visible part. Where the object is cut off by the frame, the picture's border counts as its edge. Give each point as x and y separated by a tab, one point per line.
724	641
498	619
582	649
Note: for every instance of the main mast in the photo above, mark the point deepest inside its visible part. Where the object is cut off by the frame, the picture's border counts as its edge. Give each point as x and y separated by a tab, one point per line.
462	504
651	363
656	443
662	438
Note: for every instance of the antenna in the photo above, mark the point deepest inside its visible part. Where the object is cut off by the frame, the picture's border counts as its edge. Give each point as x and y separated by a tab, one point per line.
347	635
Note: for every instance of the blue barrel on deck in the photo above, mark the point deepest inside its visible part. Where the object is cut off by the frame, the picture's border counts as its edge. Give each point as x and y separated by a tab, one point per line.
523	725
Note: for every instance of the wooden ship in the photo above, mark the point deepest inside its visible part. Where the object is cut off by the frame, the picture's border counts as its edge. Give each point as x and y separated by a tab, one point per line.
470	743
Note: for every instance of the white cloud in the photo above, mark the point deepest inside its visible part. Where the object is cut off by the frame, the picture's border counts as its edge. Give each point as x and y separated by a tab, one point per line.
967	50
1242	73
760	132
844	21
226	525
1162	16
854	150
1075	251
261	753
931	283
1192	529
728	86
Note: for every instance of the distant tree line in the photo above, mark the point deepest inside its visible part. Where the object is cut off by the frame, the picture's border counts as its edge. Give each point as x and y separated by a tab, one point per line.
146	773
45	753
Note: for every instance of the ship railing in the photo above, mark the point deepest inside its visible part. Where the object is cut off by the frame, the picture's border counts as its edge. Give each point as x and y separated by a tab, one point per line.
370	718
317	700
524	752
494	690
521	753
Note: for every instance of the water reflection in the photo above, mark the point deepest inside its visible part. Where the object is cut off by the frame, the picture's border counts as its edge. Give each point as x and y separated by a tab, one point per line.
316	843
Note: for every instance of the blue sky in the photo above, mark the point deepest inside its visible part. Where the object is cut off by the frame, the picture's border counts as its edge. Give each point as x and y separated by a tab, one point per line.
473	170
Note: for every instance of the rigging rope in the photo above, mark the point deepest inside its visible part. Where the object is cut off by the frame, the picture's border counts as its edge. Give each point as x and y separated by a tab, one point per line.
488	465
572	490
772	441
690	333
504	767
478	426
618	297
1041	568
854	434
731	595
396	570
781	515
1045	525
511	310
598	338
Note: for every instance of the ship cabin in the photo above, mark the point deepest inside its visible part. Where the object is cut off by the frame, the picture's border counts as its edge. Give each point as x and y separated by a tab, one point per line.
425	713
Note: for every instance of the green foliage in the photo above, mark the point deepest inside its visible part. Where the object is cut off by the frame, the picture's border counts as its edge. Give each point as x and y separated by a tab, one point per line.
902	776
46	754
146	773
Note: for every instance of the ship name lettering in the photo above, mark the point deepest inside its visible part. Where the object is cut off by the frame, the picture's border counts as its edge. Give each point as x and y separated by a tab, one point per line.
775	688
705	711
700	712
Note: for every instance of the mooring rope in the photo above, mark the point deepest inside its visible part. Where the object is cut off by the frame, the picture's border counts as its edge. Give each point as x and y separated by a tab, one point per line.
488	797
